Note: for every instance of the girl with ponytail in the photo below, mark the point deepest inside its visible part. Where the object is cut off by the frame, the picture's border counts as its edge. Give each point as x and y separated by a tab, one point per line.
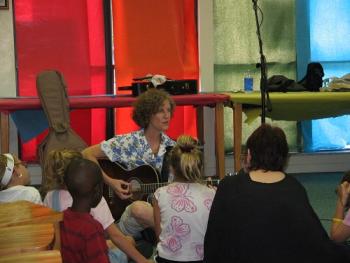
181	209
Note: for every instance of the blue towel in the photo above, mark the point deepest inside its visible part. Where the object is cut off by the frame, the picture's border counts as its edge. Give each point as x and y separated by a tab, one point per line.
29	123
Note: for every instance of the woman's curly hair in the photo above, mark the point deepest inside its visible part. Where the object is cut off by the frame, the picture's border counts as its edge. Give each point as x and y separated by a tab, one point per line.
55	166
148	104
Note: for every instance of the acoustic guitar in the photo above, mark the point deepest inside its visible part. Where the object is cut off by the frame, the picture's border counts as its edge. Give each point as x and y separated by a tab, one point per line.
143	180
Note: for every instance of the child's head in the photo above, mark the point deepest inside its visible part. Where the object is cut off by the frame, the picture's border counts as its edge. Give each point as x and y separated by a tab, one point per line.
186	159
56	164
83	179
12	171
346	177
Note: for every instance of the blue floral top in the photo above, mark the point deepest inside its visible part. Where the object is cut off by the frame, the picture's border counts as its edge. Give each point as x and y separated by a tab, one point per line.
133	150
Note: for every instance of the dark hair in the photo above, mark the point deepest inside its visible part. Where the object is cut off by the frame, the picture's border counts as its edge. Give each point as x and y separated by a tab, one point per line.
346	177
268	148
148	104
82	176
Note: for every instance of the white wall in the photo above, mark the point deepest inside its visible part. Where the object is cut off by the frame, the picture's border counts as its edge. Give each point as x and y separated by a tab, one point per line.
7	65
206	72
7	54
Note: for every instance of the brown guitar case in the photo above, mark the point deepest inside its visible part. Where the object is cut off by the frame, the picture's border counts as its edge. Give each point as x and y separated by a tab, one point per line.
52	92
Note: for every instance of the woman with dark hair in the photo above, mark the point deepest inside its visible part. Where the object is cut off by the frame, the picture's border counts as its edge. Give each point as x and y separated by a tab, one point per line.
264	215
152	111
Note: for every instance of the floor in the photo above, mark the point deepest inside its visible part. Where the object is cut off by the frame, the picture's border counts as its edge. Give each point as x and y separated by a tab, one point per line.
320	188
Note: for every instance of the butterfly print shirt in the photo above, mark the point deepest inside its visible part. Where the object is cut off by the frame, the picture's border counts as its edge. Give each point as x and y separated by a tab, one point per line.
184	210
133	150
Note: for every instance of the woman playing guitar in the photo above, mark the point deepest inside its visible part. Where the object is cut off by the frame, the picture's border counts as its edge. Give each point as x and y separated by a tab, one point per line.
152	112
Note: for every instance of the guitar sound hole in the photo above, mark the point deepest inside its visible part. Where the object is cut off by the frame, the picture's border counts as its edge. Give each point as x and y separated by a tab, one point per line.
135	188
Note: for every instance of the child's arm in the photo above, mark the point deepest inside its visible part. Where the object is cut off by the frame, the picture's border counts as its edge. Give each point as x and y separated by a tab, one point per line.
339	231
156	215
121	241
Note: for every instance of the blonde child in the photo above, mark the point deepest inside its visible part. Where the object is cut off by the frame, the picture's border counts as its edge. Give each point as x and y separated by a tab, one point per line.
14	178
181	209
59	198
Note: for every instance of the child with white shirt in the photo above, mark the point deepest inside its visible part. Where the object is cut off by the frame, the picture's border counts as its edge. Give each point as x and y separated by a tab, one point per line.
181	209
14	178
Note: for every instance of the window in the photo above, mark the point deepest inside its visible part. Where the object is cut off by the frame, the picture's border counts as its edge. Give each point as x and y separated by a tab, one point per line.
327	31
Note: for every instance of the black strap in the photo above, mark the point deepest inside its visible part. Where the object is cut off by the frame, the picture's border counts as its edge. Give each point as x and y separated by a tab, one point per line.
164	174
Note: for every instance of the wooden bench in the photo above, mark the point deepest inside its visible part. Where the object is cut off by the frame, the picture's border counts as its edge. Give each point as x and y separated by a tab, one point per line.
24	212
25	226
48	256
26	238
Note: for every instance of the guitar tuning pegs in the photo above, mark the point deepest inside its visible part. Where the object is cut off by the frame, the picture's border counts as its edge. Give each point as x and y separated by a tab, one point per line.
231	173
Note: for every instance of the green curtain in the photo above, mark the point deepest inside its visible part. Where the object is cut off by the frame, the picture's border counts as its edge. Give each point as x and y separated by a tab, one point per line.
237	50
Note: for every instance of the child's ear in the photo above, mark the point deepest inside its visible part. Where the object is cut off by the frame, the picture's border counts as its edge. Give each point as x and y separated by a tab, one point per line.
97	195
249	157
246	161
16	173
16	176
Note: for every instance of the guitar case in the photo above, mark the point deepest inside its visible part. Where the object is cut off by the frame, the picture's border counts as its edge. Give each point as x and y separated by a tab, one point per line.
52	92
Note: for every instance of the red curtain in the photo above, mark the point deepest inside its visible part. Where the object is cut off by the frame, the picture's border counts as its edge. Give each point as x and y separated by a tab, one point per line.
156	37
67	36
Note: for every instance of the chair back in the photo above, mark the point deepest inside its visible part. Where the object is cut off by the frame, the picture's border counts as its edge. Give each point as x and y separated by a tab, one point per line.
49	256
26	238
24	212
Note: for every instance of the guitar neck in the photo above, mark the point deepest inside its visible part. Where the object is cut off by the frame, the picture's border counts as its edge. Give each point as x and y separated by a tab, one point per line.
151	188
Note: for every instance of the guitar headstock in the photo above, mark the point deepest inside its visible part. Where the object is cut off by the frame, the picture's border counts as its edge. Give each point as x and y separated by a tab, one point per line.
212	181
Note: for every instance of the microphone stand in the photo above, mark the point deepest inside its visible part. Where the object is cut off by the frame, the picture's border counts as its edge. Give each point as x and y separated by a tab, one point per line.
265	100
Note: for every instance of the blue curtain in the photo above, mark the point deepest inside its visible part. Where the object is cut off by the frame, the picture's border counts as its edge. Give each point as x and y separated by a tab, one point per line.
324	30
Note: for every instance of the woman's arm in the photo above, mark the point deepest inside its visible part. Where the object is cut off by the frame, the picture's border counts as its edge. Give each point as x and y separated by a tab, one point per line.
120	187
121	241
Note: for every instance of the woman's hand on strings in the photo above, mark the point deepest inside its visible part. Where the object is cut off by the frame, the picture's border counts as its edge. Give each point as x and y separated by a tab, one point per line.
121	188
